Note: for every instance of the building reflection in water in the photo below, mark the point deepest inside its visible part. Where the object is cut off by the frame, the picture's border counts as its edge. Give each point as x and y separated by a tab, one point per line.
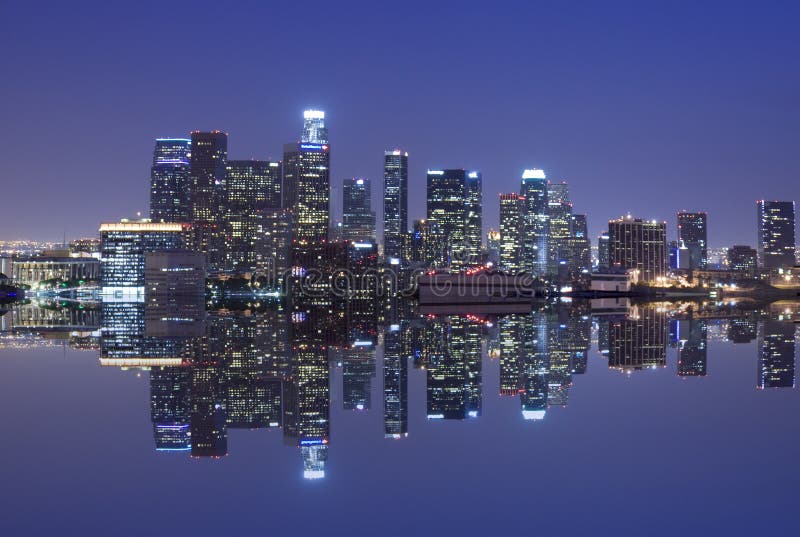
269	366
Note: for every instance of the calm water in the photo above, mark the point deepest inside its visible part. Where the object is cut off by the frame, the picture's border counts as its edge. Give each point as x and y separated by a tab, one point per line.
659	420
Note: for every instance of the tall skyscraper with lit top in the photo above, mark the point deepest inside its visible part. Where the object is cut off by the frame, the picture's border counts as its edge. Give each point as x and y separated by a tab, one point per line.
395	202
306	181
776	234
535	222
169	180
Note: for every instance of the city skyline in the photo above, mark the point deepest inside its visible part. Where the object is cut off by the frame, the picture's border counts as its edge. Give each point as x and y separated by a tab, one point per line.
694	143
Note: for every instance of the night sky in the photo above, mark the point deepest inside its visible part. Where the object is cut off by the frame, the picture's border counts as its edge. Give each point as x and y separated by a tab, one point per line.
643	109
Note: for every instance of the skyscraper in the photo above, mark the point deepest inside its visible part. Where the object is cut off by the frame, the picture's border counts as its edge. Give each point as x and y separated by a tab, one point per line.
639	245
207	165
306	181
511	206
535	222
169	180
358	219
559	211
776	240
693	231
395	202
252	189
454	205
776	354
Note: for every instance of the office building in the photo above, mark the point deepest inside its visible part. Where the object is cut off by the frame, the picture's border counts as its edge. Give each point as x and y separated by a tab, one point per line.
124	246
169	180
776	239
511	206
252	188
693	233
535	222
639	245
207	170
454	199
358	219
742	258
395	202
306	181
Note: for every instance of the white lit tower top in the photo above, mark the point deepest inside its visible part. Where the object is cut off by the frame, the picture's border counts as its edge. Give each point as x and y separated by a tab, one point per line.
314	130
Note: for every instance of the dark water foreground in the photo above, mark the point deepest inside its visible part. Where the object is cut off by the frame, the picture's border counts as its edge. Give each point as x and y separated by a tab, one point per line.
656	419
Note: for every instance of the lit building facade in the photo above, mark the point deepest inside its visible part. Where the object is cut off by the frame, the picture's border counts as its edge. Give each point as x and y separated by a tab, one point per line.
123	248
742	258
640	245
358	219
693	232
776	234
395	202
511	206
535	222
252	189
207	170
454	199
169	180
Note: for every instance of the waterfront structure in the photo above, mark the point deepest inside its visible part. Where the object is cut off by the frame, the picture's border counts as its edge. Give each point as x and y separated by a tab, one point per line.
535	222
174	275
358	219
454	199
123	248
207	170
511	206
639	245
395	202
776	234
306	181
252	189
693	233
54	268
169	180
742	258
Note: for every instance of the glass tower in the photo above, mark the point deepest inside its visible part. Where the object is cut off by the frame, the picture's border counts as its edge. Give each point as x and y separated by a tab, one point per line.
535	222
169	180
693	231
776	241
395	202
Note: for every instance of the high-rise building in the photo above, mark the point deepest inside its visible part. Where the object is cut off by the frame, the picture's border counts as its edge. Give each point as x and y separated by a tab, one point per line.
639	245
454	205
535	222
395	385
395	202
207	170
493	247
559	211
693	231
603	251
358	219
306	181
579	255
169	180
473	218
742	258
252	189
123	248
511	206
776	240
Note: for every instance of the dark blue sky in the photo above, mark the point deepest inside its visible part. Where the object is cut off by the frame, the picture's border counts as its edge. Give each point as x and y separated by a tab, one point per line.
642	108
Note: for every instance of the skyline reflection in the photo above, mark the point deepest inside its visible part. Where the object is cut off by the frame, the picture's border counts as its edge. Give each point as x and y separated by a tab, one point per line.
284	367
